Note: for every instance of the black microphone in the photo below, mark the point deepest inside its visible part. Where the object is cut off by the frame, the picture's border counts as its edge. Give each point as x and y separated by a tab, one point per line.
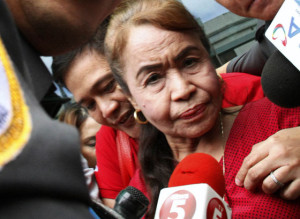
105	212
130	203
281	81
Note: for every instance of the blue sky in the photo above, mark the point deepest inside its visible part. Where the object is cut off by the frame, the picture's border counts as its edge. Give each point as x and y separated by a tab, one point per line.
204	9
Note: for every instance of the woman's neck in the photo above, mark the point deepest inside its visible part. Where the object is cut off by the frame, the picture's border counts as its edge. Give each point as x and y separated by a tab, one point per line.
213	142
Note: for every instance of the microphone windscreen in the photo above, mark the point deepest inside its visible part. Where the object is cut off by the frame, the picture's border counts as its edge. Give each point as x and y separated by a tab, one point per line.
199	168
131	203
281	81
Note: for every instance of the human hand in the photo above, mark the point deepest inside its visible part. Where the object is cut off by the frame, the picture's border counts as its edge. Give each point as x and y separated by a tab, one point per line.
279	153
266	11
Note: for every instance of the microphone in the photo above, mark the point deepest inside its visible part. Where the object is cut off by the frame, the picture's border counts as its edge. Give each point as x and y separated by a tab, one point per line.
130	203
195	191
281	81
105	212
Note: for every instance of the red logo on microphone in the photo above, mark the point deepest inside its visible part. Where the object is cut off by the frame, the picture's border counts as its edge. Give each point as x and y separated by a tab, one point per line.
180	205
216	209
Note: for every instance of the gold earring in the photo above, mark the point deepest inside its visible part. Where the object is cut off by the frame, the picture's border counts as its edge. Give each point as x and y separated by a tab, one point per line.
118	87
136	117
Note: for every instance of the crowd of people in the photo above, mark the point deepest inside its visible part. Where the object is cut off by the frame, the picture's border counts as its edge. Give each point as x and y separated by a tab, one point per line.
144	75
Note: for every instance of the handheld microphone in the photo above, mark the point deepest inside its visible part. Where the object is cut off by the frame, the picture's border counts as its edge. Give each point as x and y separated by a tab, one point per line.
195	191
105	212
280	81
130	203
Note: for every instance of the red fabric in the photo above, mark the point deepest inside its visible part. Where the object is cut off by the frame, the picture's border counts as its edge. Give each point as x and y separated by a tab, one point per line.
255	123
138	182
108	174
241	88
126	160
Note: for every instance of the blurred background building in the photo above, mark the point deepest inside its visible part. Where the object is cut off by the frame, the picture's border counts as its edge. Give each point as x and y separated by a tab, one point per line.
230	35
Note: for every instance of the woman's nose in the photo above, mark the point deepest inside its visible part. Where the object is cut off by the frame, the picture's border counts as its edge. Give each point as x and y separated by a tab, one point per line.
182	88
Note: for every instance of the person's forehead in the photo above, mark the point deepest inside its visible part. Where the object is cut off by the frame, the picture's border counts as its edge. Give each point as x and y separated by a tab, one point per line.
90	127
86	72
140	41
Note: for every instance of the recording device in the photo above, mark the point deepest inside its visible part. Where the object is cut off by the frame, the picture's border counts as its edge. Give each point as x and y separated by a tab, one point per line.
280	81
284	31
281	76
195	191
130	203
105	212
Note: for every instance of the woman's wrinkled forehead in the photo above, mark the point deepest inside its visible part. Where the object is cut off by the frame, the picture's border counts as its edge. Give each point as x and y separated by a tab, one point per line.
151	42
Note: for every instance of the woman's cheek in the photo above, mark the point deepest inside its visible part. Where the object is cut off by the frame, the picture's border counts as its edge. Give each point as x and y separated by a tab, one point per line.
153	111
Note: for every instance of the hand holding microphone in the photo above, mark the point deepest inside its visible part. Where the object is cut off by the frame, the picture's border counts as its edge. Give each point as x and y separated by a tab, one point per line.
196	188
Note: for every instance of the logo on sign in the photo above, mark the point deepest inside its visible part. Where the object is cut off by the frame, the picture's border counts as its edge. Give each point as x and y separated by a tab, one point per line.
179	205
277	30
216	209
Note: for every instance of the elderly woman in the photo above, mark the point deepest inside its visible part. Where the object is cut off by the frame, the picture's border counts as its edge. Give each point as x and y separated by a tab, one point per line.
158	54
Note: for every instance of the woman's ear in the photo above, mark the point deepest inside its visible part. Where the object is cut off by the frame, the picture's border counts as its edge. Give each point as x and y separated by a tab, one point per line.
133	103
131	100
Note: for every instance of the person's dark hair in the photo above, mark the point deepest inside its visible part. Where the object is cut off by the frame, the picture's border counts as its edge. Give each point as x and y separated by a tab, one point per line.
157	162
62	63
155	155
73	114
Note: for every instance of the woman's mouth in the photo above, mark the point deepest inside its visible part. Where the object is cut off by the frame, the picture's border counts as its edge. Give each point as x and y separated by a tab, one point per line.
193	112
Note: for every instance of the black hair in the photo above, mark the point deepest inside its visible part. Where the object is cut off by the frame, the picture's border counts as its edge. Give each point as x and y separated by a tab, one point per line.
62	63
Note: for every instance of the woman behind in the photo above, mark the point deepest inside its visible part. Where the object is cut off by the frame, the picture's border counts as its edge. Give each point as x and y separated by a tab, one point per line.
77	116
158	54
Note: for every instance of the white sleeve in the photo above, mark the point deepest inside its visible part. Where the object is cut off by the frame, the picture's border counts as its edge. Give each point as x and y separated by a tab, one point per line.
90	180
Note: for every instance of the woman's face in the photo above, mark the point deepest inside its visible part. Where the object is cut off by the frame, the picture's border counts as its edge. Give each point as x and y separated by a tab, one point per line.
88	131
172	80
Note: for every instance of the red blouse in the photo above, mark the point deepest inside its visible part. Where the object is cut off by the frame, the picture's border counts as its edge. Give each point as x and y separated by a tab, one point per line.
255	123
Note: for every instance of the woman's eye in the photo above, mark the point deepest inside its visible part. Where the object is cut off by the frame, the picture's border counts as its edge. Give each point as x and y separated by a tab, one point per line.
91	105
190	62
152	79
91	142
110	87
